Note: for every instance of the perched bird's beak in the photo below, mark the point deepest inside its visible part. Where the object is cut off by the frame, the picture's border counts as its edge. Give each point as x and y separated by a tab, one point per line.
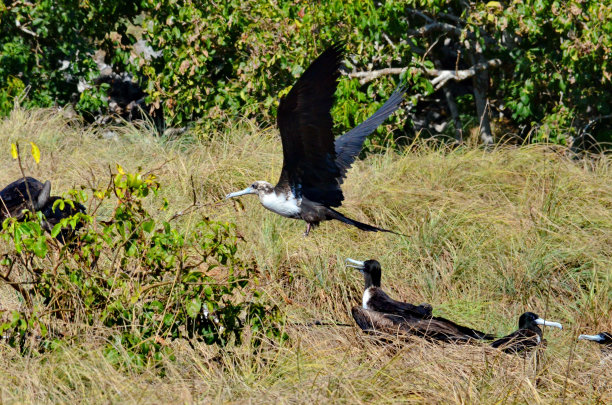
541	321
596	338
248	190
356	264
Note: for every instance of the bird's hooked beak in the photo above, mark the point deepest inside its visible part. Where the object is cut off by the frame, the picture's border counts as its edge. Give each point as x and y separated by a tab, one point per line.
248	190
541	321
356	264
596	338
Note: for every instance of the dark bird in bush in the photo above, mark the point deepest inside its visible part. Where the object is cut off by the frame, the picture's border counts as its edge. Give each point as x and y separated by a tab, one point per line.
528	335
381	313
314	165
604	339
30	194
23	194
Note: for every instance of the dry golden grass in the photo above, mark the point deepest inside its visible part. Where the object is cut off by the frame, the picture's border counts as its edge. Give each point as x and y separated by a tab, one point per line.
491	234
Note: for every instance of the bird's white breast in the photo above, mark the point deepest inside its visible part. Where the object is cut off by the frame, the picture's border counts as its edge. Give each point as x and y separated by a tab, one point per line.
367	294
282	204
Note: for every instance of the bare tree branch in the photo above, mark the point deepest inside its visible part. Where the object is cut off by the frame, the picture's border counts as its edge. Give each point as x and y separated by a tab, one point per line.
434	27
368	76
419	14
441	76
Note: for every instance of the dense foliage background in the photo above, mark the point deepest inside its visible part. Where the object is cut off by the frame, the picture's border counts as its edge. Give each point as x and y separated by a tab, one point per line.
547	72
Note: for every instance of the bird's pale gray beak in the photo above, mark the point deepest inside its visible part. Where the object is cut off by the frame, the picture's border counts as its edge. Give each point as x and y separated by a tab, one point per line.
356	264
596	338
541	321
248	190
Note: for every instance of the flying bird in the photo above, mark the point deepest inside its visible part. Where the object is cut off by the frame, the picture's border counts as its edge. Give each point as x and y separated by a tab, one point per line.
381	313
314	164
528	335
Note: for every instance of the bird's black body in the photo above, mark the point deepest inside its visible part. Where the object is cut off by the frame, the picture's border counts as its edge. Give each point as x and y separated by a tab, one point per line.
30	194
314	163
25	193
527	337
381	302
434	328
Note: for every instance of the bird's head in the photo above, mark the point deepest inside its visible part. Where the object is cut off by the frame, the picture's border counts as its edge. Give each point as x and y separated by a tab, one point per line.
529	320
259	187
370	269
603	338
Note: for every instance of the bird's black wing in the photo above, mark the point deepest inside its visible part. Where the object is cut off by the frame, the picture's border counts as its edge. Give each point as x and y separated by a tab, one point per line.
464	330
381	302
517	341
305	124
349	145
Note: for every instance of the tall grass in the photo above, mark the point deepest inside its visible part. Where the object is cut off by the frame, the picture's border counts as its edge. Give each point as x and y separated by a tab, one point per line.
490	234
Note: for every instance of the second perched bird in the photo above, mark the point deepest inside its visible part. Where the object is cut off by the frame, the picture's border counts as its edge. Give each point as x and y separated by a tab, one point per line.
381	313
314	165
528	335
375	299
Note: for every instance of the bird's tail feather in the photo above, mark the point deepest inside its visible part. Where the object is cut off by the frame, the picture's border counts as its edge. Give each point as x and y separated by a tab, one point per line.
333	214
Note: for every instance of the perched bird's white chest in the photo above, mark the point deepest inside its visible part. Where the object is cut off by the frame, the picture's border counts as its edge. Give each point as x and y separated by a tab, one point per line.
367	294
282	204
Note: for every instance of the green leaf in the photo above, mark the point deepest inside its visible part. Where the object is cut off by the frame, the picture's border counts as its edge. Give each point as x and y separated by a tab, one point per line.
193	307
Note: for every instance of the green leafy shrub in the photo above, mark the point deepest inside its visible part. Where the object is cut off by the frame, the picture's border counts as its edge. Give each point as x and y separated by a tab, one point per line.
140	281
47	47
220	61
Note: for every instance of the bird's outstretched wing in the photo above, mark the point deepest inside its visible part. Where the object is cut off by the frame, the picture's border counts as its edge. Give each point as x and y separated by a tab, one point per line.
349	145
305	124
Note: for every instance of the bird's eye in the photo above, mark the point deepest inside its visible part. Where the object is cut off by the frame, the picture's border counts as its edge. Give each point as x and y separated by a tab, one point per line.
254	185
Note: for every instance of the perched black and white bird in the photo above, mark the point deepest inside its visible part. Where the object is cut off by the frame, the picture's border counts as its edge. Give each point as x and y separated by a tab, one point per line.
528	335
604	339
314	164
375	299
381	313
30	194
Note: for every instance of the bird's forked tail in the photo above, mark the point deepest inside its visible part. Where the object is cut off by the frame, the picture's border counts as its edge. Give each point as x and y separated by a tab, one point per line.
333	214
